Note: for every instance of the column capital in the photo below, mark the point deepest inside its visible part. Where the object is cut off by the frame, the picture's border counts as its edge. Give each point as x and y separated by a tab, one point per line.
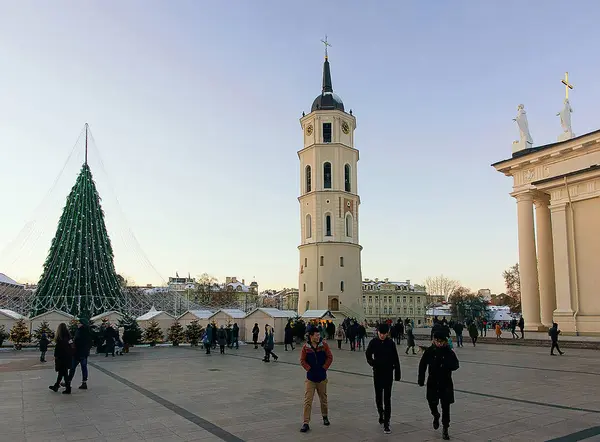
523	196
541	199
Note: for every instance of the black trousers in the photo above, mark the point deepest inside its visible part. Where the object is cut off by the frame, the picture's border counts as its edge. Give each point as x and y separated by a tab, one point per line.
383	394
474	339
554	346
433	406
339	344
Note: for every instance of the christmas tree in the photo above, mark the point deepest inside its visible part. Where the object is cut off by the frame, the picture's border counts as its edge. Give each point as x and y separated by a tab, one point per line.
79	274
176	334
193	332
43	328
132	333
3	334
19	334
153	333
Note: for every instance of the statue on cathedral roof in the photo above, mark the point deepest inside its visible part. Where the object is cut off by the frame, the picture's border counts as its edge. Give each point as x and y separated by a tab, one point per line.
565	121
525	140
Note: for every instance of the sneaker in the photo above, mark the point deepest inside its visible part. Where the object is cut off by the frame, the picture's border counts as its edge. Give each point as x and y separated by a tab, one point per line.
83	386
304	428
445	434
386	428
67	390
436	422
326	421
54	388
381	420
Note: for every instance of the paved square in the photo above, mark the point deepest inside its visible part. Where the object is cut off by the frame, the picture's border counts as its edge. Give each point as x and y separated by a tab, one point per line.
180	394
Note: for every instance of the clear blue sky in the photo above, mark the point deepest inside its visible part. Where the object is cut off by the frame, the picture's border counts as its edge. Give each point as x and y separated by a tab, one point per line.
194	106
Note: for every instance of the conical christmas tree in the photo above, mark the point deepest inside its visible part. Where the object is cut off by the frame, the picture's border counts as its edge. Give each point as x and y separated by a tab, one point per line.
79	274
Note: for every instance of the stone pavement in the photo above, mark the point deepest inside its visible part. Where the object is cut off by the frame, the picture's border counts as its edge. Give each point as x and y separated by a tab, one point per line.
181	394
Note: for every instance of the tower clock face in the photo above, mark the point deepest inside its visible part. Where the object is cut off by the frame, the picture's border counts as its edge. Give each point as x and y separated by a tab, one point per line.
345	127
309	130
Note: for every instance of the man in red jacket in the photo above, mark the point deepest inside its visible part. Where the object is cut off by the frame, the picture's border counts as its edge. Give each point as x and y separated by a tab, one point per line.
315	358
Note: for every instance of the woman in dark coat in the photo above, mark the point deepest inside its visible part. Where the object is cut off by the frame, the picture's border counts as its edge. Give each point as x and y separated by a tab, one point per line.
410	340
63	357
222	339
473	332
110	340
269	344
43	347
289	336
255	333
440	361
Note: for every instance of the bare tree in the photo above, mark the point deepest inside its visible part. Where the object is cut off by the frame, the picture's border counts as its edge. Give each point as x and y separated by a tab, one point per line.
441	286
512	280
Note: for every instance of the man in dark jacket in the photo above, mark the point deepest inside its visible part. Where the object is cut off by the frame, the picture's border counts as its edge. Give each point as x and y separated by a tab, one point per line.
553	333
458	329
315	358
83	343
440	361
383	357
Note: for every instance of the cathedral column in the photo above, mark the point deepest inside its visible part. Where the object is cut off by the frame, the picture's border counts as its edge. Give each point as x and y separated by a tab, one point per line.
545	253
562	262
530	297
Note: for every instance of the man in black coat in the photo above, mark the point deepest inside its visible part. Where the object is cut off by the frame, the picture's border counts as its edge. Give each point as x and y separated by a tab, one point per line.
440	361
83	343
383	357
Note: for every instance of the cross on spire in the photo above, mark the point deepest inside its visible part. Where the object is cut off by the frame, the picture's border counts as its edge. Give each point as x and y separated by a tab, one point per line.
326	43
567	85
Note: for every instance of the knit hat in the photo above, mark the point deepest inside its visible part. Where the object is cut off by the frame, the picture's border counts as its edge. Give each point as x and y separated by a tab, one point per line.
440	335
383	328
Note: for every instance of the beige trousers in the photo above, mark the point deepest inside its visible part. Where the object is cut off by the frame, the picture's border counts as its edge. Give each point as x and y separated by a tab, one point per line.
309	394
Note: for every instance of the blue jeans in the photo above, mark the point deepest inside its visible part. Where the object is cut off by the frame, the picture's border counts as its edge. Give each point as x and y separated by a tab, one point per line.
459	340
84	370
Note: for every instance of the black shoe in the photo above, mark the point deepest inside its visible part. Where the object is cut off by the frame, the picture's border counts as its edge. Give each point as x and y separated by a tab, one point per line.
54	388
275	358
304	428
445	434
67	390
83	386
436	422
562	353
386	428
326	421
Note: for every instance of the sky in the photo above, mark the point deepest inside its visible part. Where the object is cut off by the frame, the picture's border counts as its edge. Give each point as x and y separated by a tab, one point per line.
194	109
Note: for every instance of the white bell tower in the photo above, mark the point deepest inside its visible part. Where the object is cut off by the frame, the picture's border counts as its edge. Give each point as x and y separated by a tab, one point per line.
330	268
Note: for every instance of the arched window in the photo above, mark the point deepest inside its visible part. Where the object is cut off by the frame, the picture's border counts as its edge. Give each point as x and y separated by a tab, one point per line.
322	261
327	175
321	286
347	186
308	179
304	288
328	225
308	226
341	286
341	261
349	225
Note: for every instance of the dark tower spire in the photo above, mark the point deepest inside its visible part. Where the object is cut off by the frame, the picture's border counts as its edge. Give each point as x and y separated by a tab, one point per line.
327	86
327	100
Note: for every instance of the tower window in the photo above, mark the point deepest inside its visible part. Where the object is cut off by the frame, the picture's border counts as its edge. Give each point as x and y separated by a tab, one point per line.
322	260
321	285
326	132
341	286
347	186
327	175
308	179
305	262
349	226
308	226
304	288
341	261
328	225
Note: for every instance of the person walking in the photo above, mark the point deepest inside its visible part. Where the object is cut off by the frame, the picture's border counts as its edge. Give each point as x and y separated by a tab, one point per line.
43	343
207	339
222	339
410	340
352	335
458	329
498	331
439	361
513	328
362	336
83	343
382	355
235	335
255	333
110	340
269	344
473	332
553	333
315	358
340	335
484	325
522	327
288	335
62	358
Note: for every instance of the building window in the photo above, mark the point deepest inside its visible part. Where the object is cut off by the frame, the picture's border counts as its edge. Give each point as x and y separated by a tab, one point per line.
304	288
326	132
321	286
397	298
411	299
370	299
404	299
328	225
308	226
349	226
305	262
341	261
418	300
327	175
398	309
341	286
322	260
308	179
370	310
347	186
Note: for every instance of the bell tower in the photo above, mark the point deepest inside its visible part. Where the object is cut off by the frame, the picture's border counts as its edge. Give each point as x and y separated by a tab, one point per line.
330	265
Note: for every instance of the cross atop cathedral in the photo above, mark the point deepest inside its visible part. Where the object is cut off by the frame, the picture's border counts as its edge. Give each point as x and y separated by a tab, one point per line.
326	43
565	82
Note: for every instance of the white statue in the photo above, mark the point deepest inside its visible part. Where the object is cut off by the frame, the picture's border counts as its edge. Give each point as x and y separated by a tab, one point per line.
525	140
565	121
